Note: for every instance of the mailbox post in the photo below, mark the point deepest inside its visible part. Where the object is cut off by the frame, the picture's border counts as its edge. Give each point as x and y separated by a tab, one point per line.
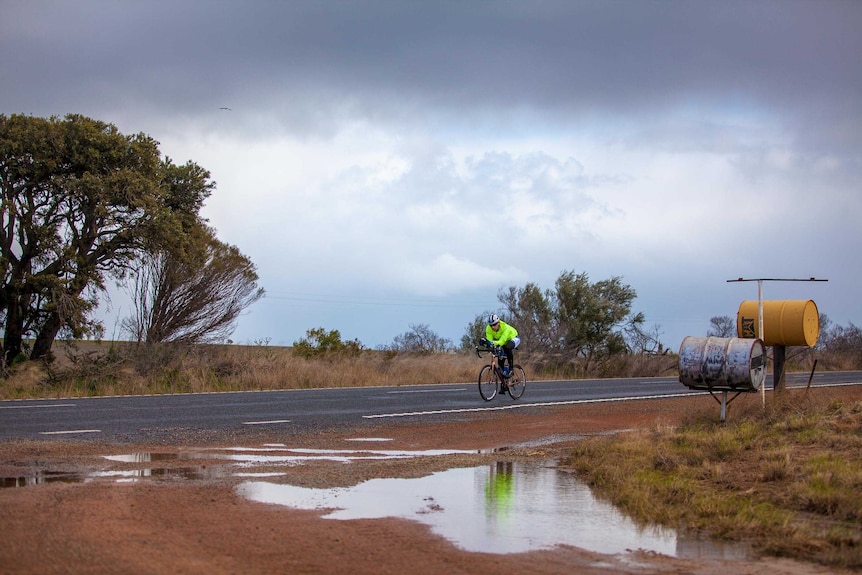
778	323
784	323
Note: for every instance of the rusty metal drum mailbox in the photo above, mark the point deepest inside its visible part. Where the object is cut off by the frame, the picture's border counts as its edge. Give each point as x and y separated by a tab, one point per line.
722	363
785	322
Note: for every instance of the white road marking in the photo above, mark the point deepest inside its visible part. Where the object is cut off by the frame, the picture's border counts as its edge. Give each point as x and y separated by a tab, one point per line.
521	405
274	421
369	439
37	406
70	431
430	390
570	402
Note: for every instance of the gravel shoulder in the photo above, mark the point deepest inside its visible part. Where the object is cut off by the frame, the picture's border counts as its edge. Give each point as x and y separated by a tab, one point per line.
185	521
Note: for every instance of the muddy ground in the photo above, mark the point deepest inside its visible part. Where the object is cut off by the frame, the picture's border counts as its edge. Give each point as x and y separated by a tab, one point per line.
89	514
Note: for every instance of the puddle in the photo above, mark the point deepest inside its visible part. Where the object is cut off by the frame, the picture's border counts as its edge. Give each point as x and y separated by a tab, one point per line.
282	455
507	507
502	508
236	461
39	478
191	473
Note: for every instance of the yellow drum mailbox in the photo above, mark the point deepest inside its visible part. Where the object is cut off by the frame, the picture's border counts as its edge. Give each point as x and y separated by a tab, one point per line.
722	363
785	322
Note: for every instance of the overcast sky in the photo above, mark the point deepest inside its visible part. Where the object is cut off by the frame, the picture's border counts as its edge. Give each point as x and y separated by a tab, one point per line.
393	163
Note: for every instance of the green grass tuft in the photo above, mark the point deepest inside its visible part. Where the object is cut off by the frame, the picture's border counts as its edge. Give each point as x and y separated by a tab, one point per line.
787	479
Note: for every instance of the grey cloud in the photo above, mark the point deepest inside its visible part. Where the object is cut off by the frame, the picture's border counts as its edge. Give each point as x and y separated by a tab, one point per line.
566	57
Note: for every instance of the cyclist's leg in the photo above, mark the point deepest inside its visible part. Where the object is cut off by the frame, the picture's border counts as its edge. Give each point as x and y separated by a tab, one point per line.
510	351
509	348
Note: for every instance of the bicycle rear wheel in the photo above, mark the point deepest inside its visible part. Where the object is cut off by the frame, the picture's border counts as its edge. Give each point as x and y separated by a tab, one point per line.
517	383
487	383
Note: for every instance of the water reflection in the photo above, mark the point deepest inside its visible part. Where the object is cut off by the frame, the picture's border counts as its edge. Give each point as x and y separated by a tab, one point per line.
502	508
39	478
190	473
282	455
158	464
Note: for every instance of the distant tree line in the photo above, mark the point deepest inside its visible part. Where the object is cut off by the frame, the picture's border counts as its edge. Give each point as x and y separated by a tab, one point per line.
837	338
420	338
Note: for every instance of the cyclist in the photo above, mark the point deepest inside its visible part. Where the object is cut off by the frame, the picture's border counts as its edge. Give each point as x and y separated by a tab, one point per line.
500	333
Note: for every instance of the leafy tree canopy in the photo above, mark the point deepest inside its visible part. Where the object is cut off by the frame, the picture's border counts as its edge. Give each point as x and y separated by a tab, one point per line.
576	317
80	203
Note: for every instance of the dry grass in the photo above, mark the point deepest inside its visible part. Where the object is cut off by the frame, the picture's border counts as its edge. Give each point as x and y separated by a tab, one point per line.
788	479
119	368
803	359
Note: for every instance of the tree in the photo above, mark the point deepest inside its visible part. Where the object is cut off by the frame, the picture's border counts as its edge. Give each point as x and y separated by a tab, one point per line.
318	342
193	299
421	339
533	311
593	317
645	341
577	317
475	331
721	326
837	338
80	203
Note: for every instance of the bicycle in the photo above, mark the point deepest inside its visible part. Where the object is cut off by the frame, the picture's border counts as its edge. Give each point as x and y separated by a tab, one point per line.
491	377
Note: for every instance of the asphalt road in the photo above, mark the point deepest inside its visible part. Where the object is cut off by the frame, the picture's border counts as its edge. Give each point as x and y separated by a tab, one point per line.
141	418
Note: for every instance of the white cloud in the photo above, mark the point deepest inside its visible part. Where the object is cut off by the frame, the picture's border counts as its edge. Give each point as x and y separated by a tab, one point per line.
447	274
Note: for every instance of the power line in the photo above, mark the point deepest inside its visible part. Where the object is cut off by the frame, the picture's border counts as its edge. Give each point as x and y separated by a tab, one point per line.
388	302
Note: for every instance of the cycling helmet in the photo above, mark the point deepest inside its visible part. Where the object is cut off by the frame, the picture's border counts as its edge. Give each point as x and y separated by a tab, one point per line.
493	318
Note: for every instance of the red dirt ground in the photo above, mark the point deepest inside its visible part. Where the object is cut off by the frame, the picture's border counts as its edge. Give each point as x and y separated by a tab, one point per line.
166	524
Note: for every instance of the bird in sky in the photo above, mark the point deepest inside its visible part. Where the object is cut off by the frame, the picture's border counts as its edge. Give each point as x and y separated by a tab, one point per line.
223	108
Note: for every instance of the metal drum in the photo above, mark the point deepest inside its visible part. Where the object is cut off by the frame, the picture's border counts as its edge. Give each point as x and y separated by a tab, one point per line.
722	363
785	322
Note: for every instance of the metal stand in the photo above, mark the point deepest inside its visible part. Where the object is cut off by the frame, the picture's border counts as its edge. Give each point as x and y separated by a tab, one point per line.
724	402
779	354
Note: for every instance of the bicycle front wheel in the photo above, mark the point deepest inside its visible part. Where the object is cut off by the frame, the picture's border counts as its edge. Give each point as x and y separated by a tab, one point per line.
517	383
487	383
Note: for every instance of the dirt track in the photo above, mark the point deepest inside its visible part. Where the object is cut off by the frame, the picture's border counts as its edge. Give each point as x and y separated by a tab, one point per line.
178	523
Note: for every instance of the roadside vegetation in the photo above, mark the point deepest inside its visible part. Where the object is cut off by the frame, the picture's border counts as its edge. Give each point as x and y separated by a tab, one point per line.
111	368
87	368
786	479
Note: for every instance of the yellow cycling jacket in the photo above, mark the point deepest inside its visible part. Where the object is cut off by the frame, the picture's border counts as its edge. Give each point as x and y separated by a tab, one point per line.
502	335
